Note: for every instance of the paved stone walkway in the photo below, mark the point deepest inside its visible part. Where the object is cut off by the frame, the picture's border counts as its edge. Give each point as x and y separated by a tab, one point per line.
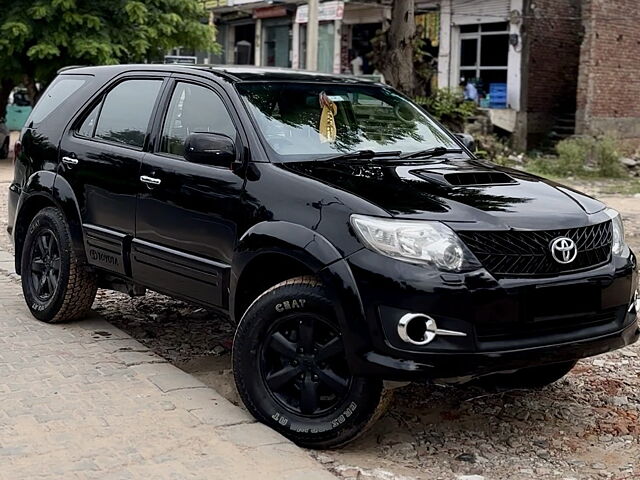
86	401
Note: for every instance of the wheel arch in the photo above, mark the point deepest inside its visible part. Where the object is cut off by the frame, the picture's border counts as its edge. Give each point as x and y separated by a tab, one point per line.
45	189
274	249
272	252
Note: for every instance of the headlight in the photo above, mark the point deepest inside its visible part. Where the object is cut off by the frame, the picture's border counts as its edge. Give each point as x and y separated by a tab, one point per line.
618	231
415	241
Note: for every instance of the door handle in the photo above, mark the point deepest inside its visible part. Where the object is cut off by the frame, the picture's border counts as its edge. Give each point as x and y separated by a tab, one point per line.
70	160
150	180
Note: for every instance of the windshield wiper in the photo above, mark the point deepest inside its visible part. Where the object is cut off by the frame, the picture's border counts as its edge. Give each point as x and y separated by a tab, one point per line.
360	155
430	152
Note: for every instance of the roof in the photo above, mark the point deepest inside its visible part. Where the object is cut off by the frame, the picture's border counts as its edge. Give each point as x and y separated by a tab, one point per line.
233	73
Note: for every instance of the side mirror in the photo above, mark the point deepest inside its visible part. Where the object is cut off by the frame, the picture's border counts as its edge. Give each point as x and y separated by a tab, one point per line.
210	149
467	140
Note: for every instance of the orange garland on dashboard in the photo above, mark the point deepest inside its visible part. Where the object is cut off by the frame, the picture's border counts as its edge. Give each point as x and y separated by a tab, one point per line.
327	126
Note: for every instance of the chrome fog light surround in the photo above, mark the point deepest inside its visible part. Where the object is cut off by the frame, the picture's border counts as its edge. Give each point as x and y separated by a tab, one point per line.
420	329
635	303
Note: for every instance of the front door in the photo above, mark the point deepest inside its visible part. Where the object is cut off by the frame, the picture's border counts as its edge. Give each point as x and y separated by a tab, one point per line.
100	157
187	213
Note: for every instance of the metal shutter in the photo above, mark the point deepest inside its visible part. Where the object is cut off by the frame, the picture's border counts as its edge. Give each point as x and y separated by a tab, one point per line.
479	11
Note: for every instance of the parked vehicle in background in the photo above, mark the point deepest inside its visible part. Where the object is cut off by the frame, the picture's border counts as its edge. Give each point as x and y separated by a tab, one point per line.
4	139
351	237
18	109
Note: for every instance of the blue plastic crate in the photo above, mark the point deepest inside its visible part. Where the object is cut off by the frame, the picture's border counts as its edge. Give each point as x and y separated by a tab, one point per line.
497	88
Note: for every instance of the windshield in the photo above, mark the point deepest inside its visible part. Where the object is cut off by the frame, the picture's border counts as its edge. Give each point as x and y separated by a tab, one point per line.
307	121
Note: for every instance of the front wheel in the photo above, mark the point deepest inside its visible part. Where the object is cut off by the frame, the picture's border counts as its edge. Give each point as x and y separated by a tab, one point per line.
291	371
57	285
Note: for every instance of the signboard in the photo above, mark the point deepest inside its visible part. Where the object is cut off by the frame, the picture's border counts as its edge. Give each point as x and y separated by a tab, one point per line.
326	12
182	59
209	4
270	12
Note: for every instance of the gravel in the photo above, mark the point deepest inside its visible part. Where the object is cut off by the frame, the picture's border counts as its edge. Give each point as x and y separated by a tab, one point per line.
585	426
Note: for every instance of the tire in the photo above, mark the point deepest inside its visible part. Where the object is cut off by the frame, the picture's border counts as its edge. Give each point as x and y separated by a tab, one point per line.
529	378
310	398
57	286
4	151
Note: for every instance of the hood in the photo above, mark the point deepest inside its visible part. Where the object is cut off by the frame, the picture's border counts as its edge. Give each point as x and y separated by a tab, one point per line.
457	191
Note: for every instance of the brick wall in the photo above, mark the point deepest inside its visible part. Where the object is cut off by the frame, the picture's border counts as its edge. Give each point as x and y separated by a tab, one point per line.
552	38
608	97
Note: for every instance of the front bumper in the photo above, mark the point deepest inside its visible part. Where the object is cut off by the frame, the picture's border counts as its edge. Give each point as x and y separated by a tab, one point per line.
508	323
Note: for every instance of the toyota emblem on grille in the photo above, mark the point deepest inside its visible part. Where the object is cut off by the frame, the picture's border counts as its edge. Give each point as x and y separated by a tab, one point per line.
564	250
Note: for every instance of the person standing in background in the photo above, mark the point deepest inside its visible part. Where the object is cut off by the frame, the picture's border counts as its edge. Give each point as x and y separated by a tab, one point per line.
470	90
357	64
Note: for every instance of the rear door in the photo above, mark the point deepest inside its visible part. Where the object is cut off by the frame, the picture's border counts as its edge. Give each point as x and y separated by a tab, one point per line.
100	157
187	214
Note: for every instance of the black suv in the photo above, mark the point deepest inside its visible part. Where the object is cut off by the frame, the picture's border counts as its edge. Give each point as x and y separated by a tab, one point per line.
351	237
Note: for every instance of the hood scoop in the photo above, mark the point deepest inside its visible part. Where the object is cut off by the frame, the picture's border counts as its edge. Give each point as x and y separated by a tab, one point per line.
466	179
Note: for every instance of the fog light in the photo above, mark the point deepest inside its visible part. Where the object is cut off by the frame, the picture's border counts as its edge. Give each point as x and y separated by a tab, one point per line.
421	329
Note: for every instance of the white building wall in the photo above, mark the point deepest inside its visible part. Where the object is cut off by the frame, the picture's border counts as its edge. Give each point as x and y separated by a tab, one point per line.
514	72
454	13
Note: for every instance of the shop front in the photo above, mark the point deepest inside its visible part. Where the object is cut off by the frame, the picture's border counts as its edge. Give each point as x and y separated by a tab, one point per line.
330	16
275	32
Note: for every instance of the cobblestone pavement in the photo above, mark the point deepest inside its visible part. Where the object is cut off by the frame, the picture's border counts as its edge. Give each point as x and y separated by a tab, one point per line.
86	401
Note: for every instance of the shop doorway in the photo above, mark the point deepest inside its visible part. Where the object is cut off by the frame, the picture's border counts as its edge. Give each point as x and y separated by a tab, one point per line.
361	35
243	48
276	45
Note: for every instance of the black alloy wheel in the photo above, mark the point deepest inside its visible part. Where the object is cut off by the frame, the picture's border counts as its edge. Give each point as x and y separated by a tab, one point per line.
290	365
58	286
303	364
45	265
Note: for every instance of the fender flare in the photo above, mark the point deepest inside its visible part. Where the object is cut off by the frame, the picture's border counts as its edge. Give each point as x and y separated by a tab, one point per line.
321	257
50	187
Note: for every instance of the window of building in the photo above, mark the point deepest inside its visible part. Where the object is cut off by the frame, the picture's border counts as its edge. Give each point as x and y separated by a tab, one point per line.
326	42
126	112
193	109
484	53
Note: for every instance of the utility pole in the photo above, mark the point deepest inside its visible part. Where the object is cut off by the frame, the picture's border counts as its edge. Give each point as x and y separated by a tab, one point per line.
312	36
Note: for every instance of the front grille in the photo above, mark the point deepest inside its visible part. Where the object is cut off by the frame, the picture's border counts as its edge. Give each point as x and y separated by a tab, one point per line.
528	253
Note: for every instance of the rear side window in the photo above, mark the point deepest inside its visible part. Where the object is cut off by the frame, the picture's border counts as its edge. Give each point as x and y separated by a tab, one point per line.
89	125
126	112
60	89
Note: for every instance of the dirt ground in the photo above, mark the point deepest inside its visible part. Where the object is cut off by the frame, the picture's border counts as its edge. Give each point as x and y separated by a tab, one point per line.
584	427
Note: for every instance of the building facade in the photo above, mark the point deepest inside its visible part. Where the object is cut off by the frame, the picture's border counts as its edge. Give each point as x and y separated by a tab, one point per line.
274	34
543	69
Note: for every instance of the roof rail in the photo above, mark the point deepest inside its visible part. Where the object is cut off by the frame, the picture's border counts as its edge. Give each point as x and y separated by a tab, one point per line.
70	67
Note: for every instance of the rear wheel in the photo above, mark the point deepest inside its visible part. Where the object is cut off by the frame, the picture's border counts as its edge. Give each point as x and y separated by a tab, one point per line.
533	377
291	370
57	286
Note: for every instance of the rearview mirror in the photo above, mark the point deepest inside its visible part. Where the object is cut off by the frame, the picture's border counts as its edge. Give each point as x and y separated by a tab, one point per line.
210	149
467	140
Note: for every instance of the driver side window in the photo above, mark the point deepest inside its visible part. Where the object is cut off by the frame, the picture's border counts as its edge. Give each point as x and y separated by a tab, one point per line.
193	109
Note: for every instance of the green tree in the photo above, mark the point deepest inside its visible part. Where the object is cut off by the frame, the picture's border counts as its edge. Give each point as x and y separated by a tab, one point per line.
37	38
